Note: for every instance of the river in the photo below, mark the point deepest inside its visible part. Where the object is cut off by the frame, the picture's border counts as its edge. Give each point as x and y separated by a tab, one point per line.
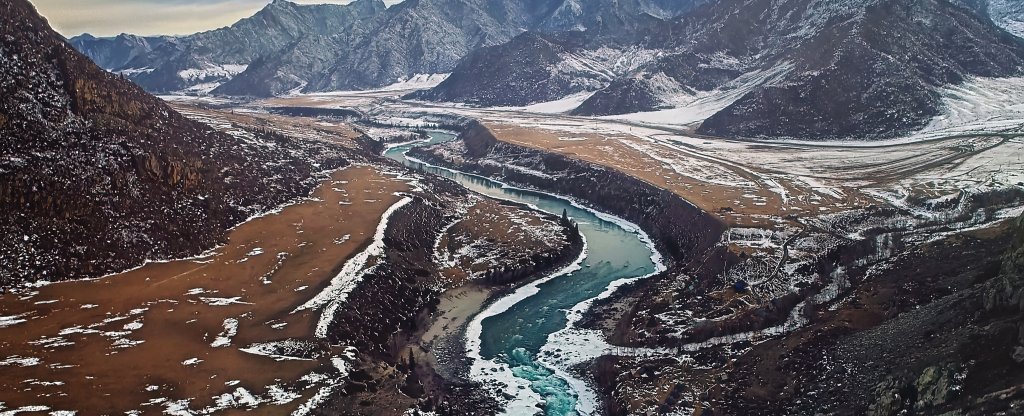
505	338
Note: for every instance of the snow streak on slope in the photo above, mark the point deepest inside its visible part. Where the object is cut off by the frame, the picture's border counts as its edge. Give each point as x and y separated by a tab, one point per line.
694	108
563	105
1009	14
351	274
979	105
417	82
211	71
592	69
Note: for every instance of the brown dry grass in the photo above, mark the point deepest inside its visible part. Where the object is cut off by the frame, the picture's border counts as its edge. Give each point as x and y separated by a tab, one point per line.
507	230
751	206
177	326
302	127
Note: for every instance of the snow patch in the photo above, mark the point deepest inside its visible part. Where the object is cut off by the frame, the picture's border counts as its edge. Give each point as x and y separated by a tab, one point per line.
6	321
224	338
351	274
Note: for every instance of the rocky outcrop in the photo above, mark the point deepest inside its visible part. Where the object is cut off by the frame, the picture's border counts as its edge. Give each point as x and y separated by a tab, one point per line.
934	330
1007	292
479	140
622	96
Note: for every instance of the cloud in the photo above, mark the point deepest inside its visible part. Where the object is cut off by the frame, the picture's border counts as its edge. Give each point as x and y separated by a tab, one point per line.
150	17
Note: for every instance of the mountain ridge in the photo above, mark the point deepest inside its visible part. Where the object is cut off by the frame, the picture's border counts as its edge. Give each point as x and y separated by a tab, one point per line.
373	47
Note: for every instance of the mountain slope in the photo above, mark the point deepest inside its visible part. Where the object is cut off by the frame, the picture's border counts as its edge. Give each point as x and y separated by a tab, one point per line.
780	69
97	176
118	51
213	57
1007	14
430	36
873	73
516	73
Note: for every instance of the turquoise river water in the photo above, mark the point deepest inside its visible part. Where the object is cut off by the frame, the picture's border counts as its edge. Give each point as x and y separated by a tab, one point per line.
515	336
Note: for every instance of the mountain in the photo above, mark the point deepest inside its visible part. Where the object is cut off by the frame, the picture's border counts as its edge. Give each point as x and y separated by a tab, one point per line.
97	176
580	46
771	68
205	60
871	72
118	51
527	69
362	45
428	37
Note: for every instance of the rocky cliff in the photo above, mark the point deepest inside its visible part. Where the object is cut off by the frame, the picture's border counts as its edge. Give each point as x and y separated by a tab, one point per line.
97	176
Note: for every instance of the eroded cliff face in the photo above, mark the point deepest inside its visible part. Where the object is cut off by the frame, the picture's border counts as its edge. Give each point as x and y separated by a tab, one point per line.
1007	292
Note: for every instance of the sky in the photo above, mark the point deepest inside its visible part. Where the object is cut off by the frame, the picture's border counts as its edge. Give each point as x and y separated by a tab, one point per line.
150	17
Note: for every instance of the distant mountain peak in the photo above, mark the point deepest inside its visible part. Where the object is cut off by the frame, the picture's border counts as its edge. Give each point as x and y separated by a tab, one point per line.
359	45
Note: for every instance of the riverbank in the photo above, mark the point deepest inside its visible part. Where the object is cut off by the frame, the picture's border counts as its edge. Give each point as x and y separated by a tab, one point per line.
833	284
514	244
396	297
515	374
518	242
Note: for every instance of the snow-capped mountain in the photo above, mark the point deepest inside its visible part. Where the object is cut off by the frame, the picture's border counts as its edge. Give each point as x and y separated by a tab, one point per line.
804	69
204	61
97	176
287	47
865	71
118	51
536	67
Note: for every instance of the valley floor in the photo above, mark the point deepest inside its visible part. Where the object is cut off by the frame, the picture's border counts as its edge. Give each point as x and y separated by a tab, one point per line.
745	183
824	239
808	227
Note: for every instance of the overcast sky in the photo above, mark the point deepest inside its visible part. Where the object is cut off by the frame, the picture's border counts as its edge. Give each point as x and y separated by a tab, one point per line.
150	17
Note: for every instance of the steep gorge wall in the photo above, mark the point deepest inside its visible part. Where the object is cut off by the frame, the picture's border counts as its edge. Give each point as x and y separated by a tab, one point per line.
682	232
